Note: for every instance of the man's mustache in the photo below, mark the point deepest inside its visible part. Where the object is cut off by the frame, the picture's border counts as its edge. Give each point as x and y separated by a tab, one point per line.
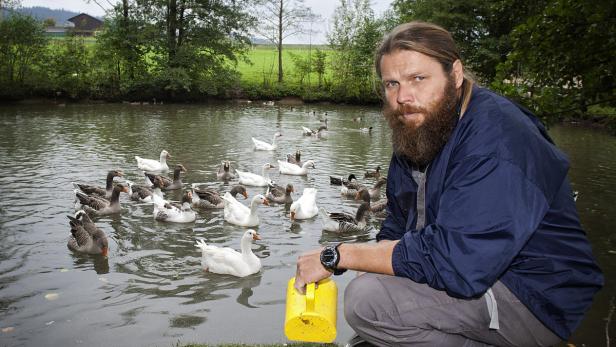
407	109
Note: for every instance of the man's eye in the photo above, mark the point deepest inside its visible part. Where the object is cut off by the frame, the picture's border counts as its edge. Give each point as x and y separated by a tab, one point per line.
390	84
419	78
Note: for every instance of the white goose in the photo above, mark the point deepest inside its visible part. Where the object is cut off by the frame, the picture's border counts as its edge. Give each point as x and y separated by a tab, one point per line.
153	165
227	261
252	179
292	169
239	214
264	146
306	206
307	131
170	213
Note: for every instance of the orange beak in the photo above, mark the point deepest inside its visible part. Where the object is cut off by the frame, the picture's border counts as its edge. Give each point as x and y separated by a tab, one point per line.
292	215
245	195
256	237
104	251
265	202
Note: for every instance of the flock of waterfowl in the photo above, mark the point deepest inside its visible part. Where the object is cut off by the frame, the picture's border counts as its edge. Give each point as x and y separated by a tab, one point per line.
92	201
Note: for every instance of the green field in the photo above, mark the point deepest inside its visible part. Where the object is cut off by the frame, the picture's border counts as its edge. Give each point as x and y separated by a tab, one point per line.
263	69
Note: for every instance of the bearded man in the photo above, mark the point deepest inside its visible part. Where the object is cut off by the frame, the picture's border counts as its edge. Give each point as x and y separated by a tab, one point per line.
482	244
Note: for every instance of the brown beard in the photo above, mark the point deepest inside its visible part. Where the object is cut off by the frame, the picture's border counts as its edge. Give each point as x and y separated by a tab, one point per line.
422	144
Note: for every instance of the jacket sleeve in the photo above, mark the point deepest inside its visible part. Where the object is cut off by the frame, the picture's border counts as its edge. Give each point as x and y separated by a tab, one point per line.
487	211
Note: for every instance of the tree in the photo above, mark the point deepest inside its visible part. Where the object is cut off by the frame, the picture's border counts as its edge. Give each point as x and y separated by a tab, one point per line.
187	45
319	64
481	29
354	37
22	42
49	22
562	58
281	19
8	5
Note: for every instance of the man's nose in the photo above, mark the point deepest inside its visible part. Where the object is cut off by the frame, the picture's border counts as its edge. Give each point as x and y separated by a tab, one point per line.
406	94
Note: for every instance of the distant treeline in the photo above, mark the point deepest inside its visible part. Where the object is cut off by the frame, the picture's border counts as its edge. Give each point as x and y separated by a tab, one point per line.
556	57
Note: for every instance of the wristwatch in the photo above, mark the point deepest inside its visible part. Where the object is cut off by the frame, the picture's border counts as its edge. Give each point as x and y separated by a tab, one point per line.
330	257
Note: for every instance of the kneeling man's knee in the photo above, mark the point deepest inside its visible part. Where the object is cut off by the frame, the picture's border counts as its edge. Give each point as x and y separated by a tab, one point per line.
359	300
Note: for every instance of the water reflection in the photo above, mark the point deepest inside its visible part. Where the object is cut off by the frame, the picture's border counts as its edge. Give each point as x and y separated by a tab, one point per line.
151	289
99	263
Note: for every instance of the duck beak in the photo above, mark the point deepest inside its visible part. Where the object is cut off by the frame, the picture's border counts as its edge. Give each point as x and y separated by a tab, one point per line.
245	195
265	202
292	214
104	251
256	237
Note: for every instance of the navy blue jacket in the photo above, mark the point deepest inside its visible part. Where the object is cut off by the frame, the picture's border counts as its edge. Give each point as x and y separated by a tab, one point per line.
498	207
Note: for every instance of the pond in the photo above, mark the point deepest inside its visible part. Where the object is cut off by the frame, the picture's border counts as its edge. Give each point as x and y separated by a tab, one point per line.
151	290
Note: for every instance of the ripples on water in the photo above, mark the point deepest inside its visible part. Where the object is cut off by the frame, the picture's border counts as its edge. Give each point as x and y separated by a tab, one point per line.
151	290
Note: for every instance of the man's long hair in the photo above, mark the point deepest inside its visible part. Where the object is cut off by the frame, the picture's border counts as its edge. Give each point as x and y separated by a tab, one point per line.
429	39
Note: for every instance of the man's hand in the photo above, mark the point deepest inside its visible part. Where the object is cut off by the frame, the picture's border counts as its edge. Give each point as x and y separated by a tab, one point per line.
309	270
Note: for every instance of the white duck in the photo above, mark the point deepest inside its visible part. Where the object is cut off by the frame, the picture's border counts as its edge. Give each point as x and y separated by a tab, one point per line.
306	206
227	261
153	165
307	131
264	146
292	169
239	214
252	179
170	213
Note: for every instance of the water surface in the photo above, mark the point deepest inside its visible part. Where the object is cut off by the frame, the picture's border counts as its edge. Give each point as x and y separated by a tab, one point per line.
151	290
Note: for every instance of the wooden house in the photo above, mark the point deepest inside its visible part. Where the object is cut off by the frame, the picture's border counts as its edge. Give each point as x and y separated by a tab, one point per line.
85	24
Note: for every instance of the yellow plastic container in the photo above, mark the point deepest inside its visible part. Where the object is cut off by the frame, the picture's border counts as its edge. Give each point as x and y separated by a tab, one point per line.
311	317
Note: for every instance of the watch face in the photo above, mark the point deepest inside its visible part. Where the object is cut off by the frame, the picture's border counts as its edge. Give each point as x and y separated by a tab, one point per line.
328	257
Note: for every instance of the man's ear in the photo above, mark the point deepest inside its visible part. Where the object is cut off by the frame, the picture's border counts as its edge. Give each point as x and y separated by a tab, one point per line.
458	73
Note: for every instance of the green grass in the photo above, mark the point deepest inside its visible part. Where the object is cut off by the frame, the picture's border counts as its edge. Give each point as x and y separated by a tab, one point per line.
263	70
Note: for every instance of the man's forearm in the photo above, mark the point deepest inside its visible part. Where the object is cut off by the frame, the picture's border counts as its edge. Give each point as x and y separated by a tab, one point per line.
373	257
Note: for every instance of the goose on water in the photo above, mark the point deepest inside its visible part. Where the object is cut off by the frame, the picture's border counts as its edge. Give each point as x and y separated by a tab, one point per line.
378	207
351	189
292	169
280	195
100	191
99	206
252	179
341	222
295	159
153	165
306	206
376	173
210	198
165	182
237	213
225	172
168	212
143	193
86	239
227	261
338	181
264	146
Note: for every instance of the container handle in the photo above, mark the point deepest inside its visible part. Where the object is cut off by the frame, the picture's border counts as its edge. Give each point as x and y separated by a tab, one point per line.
310	290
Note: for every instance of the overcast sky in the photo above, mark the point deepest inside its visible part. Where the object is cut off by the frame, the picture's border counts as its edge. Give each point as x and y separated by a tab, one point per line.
325	8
